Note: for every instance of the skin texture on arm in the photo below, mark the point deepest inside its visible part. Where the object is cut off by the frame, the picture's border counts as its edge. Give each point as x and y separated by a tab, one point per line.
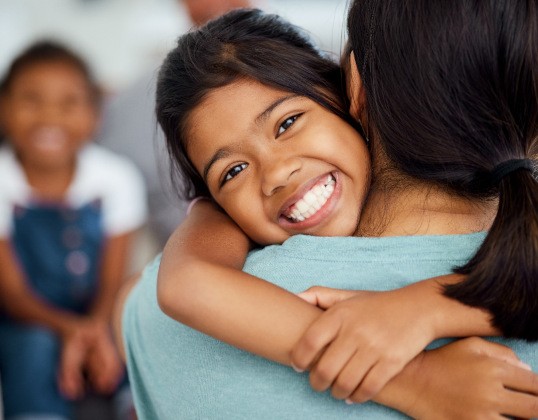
200	284
468	379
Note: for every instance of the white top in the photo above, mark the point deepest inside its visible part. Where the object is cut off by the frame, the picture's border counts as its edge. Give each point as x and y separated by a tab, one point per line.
100	174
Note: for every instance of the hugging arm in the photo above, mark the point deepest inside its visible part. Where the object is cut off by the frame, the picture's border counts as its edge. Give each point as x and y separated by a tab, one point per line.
201	286
357	354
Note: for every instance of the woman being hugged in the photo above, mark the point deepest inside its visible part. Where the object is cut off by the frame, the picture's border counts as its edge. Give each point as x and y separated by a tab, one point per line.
454	131
244	136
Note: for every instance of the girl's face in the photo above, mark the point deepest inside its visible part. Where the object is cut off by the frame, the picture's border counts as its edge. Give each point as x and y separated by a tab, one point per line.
48	113
278	163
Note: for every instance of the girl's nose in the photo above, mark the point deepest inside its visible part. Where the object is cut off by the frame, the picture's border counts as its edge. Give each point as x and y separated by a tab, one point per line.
277	173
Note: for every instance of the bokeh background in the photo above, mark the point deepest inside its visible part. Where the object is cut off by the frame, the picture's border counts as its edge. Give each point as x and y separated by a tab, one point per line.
123	39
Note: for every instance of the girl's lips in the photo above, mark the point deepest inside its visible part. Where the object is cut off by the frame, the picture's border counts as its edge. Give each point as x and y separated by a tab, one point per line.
49	138
311	204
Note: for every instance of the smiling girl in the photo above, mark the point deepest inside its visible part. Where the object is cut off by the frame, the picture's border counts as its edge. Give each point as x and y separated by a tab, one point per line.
273	160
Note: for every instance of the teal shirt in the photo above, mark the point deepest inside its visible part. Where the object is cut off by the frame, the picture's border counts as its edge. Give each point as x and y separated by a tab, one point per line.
179	373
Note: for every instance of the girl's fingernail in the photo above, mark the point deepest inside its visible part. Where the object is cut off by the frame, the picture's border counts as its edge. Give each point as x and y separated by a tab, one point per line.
296	369
525	366
348	401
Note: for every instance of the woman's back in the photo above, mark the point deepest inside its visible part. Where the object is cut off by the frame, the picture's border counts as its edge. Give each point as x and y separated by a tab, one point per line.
181	372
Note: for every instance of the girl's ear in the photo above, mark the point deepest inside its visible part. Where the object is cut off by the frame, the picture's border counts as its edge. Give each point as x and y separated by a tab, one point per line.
355	89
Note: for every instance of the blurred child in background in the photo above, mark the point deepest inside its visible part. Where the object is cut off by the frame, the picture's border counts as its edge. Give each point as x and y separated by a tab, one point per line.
68	212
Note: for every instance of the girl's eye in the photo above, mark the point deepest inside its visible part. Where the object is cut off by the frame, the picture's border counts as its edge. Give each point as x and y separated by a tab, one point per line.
288	122
233	172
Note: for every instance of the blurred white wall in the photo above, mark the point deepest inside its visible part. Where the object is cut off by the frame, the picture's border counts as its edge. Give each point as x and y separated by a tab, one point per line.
124	39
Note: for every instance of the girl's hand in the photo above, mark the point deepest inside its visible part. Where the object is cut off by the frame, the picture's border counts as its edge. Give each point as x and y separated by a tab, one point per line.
104	366
362	340
77	335
471	379
88	349
71	367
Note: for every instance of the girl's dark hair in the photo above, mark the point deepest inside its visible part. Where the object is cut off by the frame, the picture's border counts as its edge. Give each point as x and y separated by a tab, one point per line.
46	51
451	88
241	44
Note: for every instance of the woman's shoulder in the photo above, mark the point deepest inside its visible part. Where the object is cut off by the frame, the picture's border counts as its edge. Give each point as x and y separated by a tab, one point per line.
340	249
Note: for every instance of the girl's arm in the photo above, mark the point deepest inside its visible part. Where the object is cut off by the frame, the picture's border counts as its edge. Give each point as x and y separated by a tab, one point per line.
264	319
364	338
467	379
201	285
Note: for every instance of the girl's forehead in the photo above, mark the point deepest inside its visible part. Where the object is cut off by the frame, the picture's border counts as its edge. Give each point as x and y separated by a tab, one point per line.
244	87
241	100
54	78
57	68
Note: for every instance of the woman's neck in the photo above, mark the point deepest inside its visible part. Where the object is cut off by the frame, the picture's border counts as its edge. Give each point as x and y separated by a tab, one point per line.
424	212
410	207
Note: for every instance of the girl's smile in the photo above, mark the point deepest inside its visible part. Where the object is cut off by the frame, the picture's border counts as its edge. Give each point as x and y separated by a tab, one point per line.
315	202
278	163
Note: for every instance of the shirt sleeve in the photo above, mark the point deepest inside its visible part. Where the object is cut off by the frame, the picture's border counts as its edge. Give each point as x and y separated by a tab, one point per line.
125	204
12	189
5	218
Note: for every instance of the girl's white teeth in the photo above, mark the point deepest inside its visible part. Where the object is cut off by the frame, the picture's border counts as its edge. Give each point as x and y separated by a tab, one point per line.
312	201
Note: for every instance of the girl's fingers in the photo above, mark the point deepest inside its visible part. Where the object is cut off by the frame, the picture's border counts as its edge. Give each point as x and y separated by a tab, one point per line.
523	380
520	405
352	375
374	381
335	357
325	297
322	332
70	377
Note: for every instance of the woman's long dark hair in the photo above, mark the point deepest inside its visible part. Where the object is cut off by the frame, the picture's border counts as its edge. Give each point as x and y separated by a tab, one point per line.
451	90
241	44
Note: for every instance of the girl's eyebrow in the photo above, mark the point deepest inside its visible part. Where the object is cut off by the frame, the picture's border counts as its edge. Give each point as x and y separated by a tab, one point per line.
259	120
221	153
